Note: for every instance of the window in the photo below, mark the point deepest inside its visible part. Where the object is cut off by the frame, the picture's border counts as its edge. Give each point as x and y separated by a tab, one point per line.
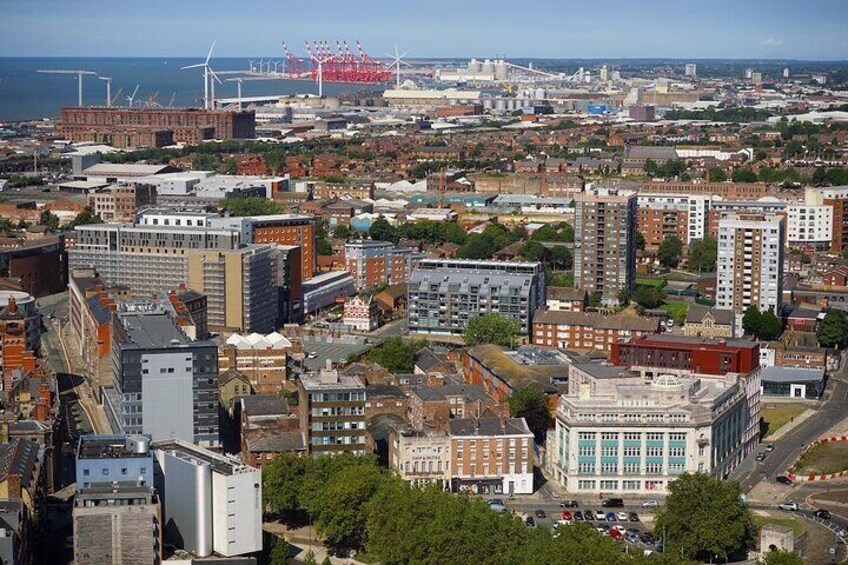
609	485
85	472
609	436
654	436
632	451
586	436
585	485
609	451
630	485
607	468
586	451
653	468
654	451
631	468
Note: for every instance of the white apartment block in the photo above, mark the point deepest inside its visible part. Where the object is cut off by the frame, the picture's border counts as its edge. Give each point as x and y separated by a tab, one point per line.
750	262
623	432
809	225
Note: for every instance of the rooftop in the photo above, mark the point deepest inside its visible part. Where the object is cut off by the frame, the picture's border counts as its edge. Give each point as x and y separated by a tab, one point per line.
488	427
152	330
112	447
596	320
222	464
791	374
264	405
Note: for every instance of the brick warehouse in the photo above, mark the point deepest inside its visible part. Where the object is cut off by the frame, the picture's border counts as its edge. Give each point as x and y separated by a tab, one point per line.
134	126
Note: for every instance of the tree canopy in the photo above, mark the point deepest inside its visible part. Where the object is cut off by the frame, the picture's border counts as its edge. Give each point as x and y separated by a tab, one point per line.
670	251
703	254
705	517
833	330
762	325
532	405
49	220
397	355
250	206
648	296
781	557
482	245
491	328
85	217
382	230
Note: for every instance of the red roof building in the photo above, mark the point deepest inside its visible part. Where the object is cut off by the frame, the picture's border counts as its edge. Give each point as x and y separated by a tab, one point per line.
699	355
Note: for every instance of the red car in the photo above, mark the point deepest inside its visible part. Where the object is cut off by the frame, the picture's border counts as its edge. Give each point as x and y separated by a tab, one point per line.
566	515
615	534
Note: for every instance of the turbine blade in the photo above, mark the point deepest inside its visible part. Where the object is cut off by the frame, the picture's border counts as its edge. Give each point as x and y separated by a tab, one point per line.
193	66
209	56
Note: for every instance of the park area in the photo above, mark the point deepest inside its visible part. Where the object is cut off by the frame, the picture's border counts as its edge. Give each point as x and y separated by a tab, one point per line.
823	459
775	416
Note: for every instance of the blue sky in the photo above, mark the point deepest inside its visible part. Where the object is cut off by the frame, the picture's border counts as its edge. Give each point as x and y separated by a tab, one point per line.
811	29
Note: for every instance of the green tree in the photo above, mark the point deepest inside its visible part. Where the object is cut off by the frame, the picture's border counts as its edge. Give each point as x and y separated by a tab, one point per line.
309	558
703	254
85	217
476	246
326	560
532	405
651	168
204	162
250	206
323	247
751	320
639	241
282	480
670	251
382	230
705	517
648	296
833	330
396	355
231	166
341	231
532	250
717	174
781	557
770	326
595	299
561	257
491	328
760	155
742	174
6	225
49	220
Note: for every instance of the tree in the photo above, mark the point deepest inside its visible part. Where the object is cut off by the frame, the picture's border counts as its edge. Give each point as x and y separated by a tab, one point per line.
476	247
323	247
309	558
742	174
396	355
85	217
833	330
703	254
231	166
533	251
717	174
705	517
650	167
770	326
595	299
561	257
751	320
282	479
781	557
670	251
382	230
49	220
532	405
648	296
204	162
639	241
250	206
326	560
341	231
6	225
491	328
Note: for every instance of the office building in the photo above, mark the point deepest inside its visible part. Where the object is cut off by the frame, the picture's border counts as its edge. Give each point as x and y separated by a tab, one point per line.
750	262
119	203
236	279
444	294
116	514
373	263
327	289
40	265
332	412
604	250
165	384
809	227
211	502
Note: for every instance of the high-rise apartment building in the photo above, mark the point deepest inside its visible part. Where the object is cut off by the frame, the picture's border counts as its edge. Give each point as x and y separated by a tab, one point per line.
750	262
604	250
165	384
837	198
237	279
373	263
444	294
332	412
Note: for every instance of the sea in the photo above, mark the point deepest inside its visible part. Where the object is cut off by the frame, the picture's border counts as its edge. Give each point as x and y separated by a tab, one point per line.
27	95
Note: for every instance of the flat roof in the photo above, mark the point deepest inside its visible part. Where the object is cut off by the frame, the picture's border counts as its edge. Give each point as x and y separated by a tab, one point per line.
108	447
152	329
222	464
791	374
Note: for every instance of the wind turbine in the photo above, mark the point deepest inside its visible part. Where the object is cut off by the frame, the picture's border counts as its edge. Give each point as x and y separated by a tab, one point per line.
70	72
115	98
320	61
131	97
239	81
398	61
250	62
260	65
108	90
206	75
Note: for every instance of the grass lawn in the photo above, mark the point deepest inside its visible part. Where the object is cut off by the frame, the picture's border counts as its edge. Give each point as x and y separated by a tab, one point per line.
824	459
796	525
778	415
676	309
679	277
650	281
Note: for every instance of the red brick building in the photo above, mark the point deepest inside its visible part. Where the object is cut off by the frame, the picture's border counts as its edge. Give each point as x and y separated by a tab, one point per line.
373	263
711	357
251	165
656	224
585	331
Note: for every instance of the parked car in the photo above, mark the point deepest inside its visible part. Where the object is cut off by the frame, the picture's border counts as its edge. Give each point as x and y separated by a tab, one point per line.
783	479
588	515
789	506
769	447
568	504
613	503
619	528
622	516
822	513
631	537
647	539
600	530
566	516
578	516
498	508
312	355
632	517
600	515
650	504
493	501
615	534
530	522
761	456
540	514
611	517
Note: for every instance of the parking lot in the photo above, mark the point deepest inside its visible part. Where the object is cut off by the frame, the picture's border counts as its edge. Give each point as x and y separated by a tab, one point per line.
337	352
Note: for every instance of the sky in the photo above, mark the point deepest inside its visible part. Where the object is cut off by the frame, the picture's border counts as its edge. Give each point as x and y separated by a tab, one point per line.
685	29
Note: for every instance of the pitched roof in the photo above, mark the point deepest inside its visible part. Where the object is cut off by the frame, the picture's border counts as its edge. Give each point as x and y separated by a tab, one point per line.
566	293
276	442
230	374
426	359
488	427
696	314
264	405
19	457
596	320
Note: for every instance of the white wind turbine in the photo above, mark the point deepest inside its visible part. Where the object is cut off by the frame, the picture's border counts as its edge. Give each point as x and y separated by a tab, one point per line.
208	76
397	62
320	61
250	62
131	97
